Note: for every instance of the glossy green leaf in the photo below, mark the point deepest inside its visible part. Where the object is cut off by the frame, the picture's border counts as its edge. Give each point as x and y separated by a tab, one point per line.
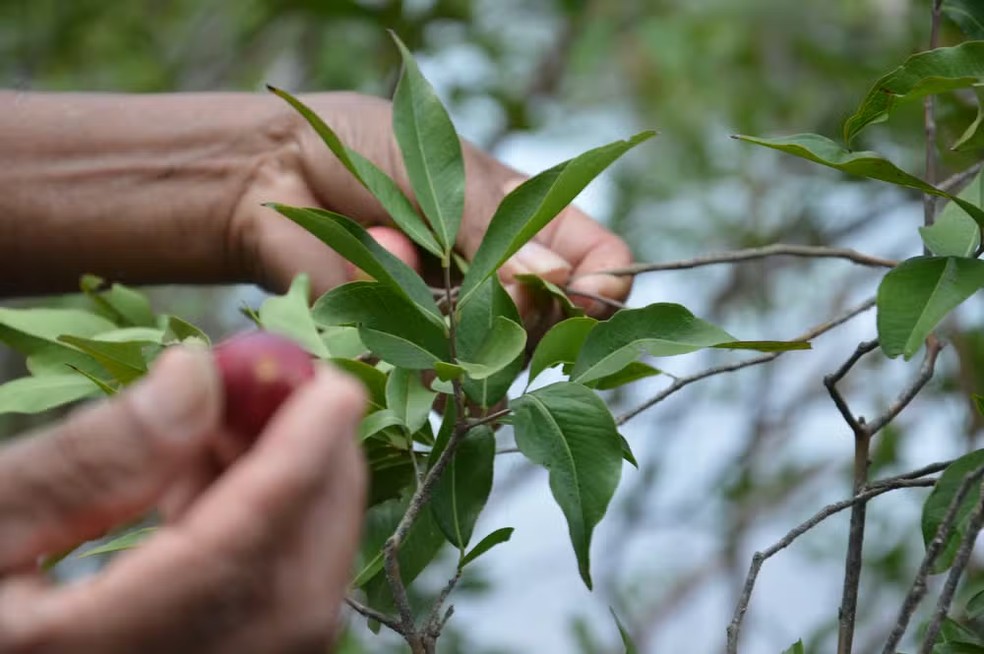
973	137
381	185
661	329
350	240
124	361
373	379
936	505
461	492
916	295
502	345
922	74
37	394
533	204
127	541
389	324
968	15
376	422
561	344
408	398
541	286
497	537
567	429
121	304
28	330
431	150
475	322
627	452
634	371
955	234
627	642
872	165
290	315
179	329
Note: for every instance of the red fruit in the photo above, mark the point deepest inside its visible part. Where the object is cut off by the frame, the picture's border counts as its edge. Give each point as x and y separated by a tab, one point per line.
259	370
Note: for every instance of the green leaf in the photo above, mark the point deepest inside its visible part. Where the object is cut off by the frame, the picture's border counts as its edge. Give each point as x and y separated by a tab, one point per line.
431	150
372	378
627	452
121	304
127	541
389	325
561	344
124	361
936	505
376	422
502	345
955	234
765	346
37	394
979	403
475	322
543	287
179	329
632	372
795	648
381	185
660	329
533	204
973	137
106	387
350	240
630	647
975	605
461	492
922	74
343	342
567	429
59	359
497	537
968	15
290	315
408	398
958	647
916	295
28	330
872	165
143	335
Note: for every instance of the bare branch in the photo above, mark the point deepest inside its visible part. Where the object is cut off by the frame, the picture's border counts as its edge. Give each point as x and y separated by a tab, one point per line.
615	304
929	122
830	381
918	589
735	256
930	469
933	347
878	488
956	182
765	358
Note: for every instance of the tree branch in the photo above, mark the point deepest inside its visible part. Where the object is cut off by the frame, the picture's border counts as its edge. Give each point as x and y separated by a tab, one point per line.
765	358
929	122
918	589
373	614
777	249
615	304
878	488
933	347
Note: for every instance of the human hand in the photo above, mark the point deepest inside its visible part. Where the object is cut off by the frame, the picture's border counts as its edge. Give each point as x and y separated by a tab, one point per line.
306	174
255	559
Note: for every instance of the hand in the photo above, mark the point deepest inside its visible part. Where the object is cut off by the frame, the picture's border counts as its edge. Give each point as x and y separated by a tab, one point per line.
255	560
307	174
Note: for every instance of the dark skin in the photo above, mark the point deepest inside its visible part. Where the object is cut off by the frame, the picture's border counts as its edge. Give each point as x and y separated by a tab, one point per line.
169	189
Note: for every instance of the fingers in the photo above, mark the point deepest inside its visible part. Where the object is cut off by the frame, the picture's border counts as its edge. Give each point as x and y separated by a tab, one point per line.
107	463
259	563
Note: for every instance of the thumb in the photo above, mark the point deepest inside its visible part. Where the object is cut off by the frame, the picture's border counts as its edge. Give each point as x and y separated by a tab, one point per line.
107	463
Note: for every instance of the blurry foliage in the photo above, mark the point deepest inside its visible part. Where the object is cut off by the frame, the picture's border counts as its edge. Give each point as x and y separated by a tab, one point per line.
697	70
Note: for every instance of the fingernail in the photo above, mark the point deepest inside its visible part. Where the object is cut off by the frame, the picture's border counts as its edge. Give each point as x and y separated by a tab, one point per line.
180	396
542	261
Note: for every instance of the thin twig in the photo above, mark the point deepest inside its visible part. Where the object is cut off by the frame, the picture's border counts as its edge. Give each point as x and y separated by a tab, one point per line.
373	614
930	469
950	587
776	249
929	122
435	621
830	381
614	304
765	358
884	486
933	347
956	182
492	417
918	589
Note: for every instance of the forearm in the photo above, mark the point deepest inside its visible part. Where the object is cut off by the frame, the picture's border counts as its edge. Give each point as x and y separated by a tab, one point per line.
133	188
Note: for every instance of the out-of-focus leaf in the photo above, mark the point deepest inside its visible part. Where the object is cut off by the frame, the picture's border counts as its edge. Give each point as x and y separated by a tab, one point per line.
121	304
124	361
542	286
28	330
127	541
973	137
627	642
936	505
795	648
290	315
179	329
922	74
968	15
37	394
955	234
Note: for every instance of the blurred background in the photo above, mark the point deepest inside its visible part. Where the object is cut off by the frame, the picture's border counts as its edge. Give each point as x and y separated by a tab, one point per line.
727	466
